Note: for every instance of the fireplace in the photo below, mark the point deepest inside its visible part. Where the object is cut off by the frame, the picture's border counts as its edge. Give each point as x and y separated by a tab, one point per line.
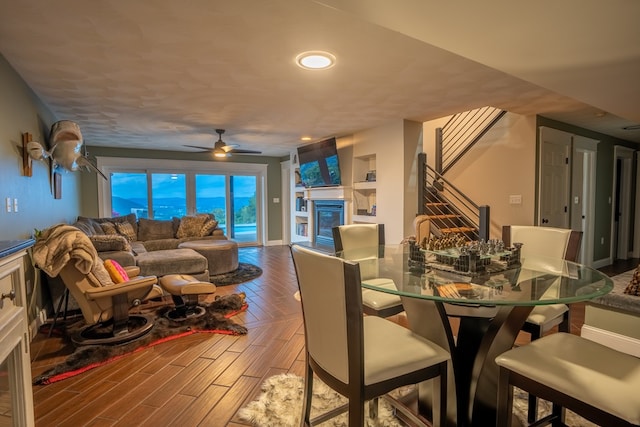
327	214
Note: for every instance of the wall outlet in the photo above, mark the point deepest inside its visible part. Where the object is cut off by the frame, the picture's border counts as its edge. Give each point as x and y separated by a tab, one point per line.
602	240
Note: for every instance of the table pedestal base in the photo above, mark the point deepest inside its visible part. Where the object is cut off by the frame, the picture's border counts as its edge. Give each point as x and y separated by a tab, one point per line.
472	397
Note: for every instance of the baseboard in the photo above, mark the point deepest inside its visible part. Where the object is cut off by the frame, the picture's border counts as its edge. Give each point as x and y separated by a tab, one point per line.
39	320
602	263
613	340
274	243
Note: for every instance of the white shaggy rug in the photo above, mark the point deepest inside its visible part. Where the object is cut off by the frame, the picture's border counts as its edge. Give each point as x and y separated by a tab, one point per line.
280	405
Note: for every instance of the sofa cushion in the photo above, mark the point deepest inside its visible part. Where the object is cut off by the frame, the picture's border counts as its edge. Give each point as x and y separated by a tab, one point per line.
171	261
110	242
152	229
161	244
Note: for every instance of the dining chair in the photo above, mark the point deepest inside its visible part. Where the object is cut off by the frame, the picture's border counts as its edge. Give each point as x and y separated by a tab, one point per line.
594	381
360	357
550	242
364	243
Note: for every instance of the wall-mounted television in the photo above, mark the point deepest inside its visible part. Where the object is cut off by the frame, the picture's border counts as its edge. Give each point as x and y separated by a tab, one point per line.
319	165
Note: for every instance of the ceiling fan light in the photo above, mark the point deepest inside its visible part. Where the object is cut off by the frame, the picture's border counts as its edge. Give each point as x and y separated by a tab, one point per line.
219	152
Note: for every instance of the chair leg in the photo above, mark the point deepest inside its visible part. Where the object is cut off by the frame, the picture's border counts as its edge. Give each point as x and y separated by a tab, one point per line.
504	407
565	325
532	411
305	419
356	411
373	408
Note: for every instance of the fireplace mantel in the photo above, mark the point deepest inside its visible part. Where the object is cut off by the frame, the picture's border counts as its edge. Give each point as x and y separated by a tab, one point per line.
328	193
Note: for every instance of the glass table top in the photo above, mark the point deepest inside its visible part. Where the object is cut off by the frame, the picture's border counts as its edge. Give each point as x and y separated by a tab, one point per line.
532	281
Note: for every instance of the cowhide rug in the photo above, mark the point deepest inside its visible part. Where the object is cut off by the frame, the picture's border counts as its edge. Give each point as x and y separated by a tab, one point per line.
215	320
280	405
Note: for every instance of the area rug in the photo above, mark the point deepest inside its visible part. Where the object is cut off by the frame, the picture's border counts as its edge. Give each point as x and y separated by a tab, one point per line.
244	273
216	320
280	405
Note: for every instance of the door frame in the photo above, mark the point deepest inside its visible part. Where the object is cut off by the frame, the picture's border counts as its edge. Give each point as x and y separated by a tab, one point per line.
589	147
624	154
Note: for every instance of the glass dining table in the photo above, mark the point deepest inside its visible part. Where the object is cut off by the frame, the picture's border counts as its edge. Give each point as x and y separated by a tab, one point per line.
491	299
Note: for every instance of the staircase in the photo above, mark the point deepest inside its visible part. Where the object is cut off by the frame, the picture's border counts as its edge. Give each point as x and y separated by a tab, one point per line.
448	209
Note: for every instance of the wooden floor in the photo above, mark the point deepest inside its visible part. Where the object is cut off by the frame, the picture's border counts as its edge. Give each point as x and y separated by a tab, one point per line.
200	380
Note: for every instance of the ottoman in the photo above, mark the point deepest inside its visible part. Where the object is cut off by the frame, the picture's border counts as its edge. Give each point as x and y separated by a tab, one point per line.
222	255
173	261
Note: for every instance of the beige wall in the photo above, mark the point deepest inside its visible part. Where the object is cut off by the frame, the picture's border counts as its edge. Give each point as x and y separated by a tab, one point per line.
21	111
395	145
502	164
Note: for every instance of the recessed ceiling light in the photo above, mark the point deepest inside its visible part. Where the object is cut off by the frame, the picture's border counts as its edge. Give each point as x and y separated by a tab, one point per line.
315	60
305	138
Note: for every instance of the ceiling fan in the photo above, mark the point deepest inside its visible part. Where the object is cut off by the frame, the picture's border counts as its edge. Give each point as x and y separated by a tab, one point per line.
222	149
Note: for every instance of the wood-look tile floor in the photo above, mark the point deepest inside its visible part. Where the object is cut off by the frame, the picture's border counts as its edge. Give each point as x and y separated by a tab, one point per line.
200	380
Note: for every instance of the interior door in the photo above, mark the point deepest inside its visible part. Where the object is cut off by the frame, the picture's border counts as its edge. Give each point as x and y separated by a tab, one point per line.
555	149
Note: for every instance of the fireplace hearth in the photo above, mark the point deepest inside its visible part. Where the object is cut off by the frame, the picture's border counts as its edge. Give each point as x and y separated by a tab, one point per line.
328	214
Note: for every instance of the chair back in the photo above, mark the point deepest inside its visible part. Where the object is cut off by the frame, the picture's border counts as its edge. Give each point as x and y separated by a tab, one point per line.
550	242
93	310
332	311
361	243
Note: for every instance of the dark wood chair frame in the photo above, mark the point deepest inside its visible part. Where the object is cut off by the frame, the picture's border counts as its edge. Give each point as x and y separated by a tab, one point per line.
385	312
571	254
355	390
508	379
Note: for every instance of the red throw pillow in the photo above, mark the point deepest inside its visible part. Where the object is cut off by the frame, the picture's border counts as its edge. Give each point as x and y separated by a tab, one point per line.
117	273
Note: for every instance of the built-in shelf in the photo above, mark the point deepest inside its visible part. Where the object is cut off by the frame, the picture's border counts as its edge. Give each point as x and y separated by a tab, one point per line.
364	185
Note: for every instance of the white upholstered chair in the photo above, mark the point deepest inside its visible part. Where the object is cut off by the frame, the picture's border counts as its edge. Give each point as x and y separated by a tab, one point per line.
550	242
594	381
360	357
362	243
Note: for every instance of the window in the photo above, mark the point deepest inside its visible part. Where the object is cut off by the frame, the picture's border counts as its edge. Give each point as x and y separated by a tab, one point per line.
129	194
163	189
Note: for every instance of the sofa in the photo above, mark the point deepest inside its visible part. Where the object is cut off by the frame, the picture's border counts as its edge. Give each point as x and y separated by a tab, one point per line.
614	319
152	244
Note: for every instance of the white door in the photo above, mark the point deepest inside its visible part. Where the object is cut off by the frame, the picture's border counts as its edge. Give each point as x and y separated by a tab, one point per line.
555	149
583	188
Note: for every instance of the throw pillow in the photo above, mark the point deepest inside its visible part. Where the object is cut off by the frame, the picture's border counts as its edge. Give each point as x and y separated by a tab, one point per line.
108	228
110	242
208	227
633	288
125	229
116	272
191	226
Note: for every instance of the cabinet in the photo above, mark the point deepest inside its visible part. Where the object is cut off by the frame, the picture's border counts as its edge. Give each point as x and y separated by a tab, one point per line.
364	189
299	204
15	363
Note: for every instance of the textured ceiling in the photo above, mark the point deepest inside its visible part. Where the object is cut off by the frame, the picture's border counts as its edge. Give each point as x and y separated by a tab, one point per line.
163	74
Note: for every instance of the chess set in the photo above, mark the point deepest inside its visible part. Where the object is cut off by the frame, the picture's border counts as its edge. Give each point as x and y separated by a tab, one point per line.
455	254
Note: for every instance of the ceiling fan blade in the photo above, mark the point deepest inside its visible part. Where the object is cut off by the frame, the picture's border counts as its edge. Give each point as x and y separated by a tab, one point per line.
242	151
205	149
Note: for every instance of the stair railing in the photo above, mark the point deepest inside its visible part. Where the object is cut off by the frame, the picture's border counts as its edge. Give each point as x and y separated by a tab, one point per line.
461	133
448	206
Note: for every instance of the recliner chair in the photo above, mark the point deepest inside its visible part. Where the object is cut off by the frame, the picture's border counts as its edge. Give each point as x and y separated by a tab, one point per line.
67	252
